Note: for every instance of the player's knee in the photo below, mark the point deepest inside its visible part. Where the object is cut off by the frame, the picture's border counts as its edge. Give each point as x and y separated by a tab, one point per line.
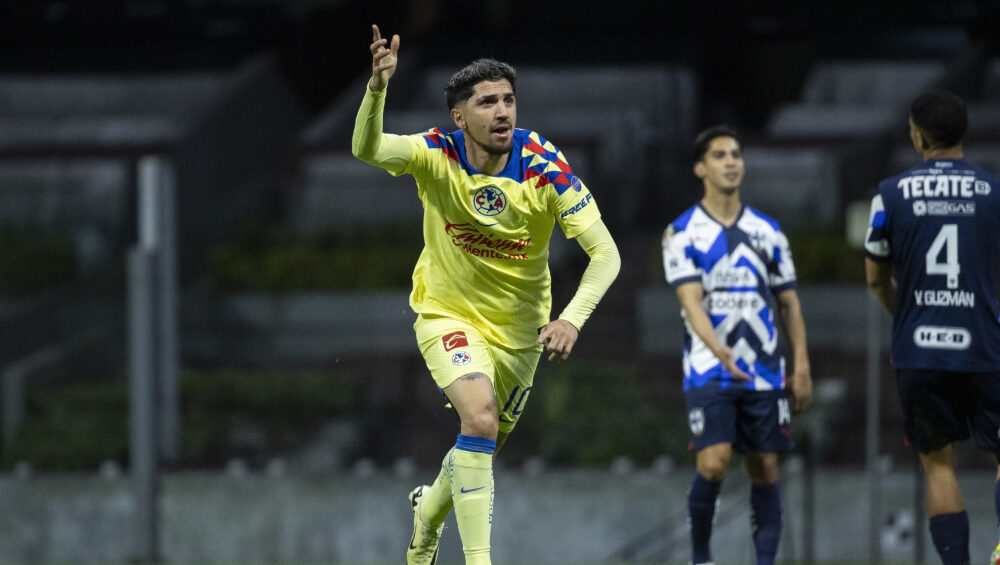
762	468
713	469
939	461
763	475
482	423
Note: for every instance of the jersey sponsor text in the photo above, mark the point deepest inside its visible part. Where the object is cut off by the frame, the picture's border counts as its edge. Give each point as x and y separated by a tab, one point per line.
723	302
937	186
578	206
479	244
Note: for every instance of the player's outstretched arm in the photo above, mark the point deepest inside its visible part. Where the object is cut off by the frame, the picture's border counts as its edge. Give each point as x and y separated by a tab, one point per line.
368	143
795	328
559	335
690	295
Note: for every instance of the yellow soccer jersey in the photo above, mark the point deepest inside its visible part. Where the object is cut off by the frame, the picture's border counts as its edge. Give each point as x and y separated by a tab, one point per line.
486	238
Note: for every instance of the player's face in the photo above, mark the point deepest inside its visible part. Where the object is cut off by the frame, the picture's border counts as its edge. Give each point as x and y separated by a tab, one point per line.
488	116
722	166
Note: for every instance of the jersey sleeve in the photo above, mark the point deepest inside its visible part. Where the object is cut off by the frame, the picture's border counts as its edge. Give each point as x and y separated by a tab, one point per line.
370	144
568	198
877	239
575	208
431	153
781	270
678	262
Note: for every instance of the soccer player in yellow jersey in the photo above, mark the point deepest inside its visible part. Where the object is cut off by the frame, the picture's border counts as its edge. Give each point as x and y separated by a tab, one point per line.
481	287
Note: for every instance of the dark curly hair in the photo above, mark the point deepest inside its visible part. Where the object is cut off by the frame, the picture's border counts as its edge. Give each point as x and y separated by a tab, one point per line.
462	83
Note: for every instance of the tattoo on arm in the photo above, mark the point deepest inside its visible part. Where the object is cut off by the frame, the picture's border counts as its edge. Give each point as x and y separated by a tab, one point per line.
473	376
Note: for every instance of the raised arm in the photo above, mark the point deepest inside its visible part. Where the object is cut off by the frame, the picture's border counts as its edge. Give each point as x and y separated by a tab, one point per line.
390	152
690	295
560	335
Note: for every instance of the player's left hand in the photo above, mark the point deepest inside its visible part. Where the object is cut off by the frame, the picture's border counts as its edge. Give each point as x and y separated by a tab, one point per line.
558	337
802	390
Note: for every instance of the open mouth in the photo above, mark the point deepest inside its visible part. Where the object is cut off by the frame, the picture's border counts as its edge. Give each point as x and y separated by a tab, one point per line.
501	130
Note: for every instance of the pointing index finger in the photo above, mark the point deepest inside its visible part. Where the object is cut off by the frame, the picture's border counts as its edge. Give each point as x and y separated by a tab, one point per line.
375	33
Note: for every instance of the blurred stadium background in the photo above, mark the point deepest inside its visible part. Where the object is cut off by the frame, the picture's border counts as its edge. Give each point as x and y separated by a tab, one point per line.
205	346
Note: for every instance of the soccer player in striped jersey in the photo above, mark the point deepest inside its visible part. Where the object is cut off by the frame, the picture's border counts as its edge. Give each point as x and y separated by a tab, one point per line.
932	254
732	270
481	288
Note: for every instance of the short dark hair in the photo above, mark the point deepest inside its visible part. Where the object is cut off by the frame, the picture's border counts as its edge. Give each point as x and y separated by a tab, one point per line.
462	83
941	115
705	138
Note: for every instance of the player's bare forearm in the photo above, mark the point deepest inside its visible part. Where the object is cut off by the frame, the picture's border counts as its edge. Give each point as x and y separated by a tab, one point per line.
880	281
690	295
558	337
790	310
795	326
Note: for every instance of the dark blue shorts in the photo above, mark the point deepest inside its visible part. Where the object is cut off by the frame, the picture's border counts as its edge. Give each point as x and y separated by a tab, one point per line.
751	420
940	407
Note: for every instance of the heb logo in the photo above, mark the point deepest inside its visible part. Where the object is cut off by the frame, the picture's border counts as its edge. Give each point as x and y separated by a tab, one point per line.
942	337
454	339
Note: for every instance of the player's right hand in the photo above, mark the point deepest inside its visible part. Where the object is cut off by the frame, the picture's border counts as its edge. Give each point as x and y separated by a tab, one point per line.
728	360
383	59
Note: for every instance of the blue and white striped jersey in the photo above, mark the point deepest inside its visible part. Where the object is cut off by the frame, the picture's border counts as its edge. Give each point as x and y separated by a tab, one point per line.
939	224
741	268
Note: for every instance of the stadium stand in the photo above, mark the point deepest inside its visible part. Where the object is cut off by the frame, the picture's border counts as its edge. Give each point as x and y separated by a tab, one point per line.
800	184
855	83
69	148
852	98
69	143
53	112
337	190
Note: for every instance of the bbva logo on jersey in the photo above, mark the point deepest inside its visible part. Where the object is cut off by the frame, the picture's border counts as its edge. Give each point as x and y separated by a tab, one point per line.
489	200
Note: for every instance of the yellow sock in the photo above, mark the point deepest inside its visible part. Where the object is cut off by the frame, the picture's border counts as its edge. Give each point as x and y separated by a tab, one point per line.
437	500
472	493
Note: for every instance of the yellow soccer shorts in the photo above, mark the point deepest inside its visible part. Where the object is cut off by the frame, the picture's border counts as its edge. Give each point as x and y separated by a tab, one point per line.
453	348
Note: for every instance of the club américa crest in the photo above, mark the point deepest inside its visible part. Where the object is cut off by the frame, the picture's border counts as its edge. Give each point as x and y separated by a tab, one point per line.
489	200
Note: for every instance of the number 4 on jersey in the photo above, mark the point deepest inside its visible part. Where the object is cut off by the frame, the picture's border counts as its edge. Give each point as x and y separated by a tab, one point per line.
948	239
